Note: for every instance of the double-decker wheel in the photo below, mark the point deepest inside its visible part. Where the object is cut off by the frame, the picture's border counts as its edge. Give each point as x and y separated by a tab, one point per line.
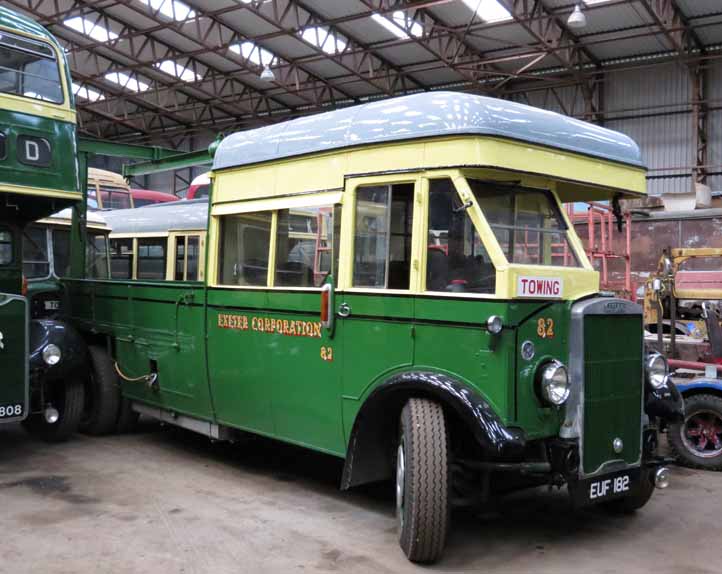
422	481
697	441
68	398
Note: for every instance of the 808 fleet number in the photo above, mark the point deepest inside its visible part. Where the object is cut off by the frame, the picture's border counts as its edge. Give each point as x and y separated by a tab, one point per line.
7	411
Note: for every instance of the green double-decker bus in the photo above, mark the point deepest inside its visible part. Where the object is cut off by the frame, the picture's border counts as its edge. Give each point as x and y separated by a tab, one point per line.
40	357
453	341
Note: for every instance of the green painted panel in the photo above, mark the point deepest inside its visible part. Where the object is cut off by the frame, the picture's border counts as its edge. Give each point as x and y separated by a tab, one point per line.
548	330
274	370
613	386
61	174
163	323
13	357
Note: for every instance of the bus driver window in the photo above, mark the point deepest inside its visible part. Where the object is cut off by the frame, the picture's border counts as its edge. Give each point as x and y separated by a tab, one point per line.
456	260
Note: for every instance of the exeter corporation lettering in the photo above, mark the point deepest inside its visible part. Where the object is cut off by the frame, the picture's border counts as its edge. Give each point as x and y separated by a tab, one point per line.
290	328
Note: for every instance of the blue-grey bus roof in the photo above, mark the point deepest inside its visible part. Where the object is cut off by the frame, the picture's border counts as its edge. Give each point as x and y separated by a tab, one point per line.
424	115
159	218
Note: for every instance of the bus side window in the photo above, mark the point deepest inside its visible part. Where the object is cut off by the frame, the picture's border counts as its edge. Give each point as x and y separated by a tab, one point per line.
151	258
245	245
92	198
6	247
187	253
382	240
61	252
304	246
121	258
180	257
36	262
194	251
456	259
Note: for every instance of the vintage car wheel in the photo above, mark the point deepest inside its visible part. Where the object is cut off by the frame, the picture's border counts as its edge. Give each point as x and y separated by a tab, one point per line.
422	481
697	441
634	502
68	399
102	401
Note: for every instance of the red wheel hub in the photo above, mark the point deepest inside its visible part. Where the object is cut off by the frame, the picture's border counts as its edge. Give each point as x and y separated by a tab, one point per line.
704	432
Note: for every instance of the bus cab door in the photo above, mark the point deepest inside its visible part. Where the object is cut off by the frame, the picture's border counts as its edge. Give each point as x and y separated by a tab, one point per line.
13	357
375	312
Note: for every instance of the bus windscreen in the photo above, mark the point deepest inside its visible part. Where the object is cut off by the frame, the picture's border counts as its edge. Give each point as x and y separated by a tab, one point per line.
29	69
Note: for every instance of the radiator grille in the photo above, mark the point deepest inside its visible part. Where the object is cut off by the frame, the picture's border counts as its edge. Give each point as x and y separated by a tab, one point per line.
613	386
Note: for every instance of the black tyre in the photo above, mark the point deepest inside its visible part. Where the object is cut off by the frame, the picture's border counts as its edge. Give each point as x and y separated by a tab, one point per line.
630	504
102	400
422	481
127	417
68	398
697	442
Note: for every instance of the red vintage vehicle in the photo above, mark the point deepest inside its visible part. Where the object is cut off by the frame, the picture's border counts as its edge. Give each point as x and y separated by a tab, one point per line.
199	187
143	197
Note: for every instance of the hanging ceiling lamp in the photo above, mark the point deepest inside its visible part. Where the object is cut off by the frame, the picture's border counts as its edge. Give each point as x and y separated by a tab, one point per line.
267	74
577	19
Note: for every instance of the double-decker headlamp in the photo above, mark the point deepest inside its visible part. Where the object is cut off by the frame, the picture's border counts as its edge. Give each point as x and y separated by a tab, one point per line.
51	354
553	381
657	370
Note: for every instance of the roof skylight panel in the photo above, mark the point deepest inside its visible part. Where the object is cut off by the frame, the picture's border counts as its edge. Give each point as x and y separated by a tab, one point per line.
173	9
489	10
322	38
87	93
127	82
256	54
400	25
177	70
90	28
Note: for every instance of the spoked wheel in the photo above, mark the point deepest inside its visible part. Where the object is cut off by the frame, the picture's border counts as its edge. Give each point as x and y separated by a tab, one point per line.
422	481
698	441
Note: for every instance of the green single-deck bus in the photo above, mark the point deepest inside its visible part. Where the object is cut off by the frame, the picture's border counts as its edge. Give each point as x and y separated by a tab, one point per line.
458	345
39	356
163	241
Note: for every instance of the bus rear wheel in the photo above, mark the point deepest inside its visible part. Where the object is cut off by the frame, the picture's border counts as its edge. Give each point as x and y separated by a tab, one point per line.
67	399
102	401
422	481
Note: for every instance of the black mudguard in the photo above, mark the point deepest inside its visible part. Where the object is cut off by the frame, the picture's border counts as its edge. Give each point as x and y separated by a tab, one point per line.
665	403
372	436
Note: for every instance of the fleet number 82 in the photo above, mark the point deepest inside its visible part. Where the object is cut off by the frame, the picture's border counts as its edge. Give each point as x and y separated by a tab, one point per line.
10	411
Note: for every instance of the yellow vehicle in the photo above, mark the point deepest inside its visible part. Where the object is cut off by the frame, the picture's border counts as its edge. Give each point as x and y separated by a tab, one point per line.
159	242
108	190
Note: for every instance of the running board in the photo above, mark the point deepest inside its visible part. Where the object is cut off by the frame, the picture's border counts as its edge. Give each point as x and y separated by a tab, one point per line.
200	426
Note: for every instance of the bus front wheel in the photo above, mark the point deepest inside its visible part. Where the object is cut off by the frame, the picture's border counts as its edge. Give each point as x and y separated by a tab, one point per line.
66	400
422	481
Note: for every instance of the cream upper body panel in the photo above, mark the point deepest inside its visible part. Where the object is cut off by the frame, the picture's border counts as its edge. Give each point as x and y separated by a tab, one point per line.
453	135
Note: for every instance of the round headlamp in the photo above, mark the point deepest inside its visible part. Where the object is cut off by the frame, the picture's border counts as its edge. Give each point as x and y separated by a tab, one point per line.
494	324
657	370
51	354
554	383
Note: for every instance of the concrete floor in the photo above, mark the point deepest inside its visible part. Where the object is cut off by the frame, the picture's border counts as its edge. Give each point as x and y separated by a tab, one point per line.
167	501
